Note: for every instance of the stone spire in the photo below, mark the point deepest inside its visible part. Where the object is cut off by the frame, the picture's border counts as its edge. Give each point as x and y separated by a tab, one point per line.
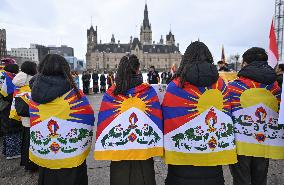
146	22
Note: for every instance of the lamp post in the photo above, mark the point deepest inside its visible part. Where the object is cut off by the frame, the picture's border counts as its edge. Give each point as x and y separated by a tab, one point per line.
237	56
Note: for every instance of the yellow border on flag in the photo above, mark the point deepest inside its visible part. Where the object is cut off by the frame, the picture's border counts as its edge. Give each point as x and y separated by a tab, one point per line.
260	150
201	159
60	163
132	154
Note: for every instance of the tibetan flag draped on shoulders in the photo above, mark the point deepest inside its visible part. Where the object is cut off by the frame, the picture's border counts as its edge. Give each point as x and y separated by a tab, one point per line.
255	113
61	131
130	126
7	87
24	93
198	129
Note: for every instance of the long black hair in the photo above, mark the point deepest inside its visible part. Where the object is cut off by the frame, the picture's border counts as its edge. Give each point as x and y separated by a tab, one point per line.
56	65
196	52
128	66
29	68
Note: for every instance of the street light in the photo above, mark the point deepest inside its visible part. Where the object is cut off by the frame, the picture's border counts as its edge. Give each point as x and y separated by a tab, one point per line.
237	56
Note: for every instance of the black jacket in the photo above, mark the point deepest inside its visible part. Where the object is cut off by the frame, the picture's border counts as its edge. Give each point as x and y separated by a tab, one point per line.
47	88
95	77
259	71
102	80
9	126
202	74
86	78
280	79
153	77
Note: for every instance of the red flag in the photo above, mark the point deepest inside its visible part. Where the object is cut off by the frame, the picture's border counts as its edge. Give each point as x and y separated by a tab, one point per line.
223	58
273	55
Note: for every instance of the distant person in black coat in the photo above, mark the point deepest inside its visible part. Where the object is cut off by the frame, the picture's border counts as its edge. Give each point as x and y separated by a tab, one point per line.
103	83
153	76
86	78
95	78
280	72
222	66
164	77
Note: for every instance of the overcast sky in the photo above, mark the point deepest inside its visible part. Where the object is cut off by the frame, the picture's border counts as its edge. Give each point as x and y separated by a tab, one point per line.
237	24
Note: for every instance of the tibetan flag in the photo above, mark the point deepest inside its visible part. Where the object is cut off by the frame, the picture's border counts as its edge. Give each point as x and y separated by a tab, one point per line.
24	93
198	128
228	76
7	86
255	113
130	126
273	55
61	131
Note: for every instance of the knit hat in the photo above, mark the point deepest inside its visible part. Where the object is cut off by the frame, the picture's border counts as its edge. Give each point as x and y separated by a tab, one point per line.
12	68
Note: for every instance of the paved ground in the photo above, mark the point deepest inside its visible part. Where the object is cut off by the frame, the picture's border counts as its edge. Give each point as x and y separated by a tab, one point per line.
12	174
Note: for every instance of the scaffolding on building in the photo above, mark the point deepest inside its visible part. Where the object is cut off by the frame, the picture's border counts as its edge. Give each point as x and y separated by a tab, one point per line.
279	25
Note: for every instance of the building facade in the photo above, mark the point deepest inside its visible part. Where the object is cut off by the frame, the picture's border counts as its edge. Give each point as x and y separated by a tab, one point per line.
106	56
26	53
3	49
62	50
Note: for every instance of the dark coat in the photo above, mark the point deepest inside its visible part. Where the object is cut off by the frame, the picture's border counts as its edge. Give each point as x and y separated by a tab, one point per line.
259	71
280	79
153	77
47	88
86	78
102	80
95	77
9	126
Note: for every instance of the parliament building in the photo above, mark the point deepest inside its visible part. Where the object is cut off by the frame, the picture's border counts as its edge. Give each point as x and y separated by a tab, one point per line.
106	56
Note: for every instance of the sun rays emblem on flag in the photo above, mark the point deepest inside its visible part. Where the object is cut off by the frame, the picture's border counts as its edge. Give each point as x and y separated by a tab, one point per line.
203	99
129	102
249	93
70	109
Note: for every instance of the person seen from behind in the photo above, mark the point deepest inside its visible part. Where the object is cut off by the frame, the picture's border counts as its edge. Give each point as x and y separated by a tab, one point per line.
11	128
61	119
129	130
21	99
198	128
255	98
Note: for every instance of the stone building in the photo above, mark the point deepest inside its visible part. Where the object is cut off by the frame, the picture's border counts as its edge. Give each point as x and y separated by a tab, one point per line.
106	56
3	49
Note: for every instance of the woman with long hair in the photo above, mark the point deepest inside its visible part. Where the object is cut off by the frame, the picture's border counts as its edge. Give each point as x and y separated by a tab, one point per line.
198	129
130	126
61	124
21	108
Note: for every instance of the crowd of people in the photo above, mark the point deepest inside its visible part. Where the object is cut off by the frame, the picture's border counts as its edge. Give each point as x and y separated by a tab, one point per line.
202	124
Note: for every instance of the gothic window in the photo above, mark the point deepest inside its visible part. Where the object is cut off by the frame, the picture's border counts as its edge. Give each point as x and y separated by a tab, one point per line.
150	59
98	59
107	66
